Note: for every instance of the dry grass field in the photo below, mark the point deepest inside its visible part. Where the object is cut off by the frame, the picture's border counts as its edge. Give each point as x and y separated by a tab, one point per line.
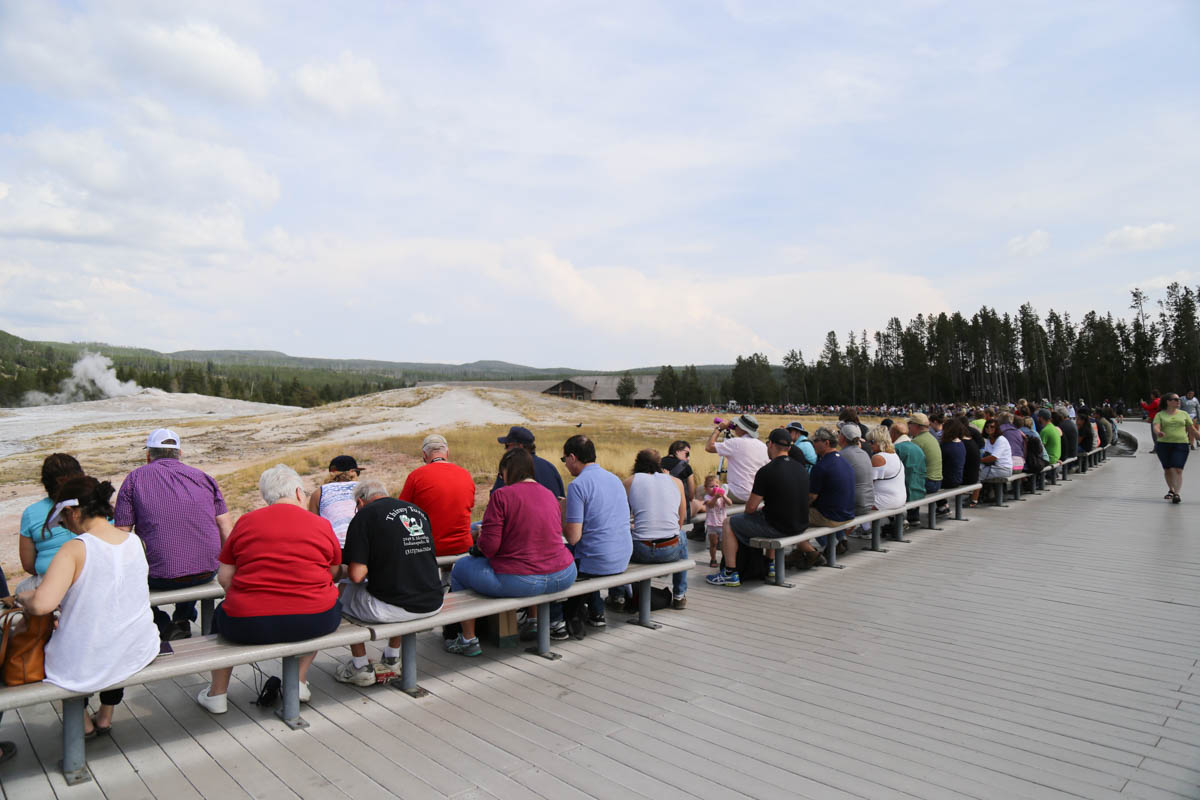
383	432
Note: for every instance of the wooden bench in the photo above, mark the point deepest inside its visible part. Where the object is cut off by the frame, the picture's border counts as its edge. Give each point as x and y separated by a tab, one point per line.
875	518
200	654
208	652
461	606
209	593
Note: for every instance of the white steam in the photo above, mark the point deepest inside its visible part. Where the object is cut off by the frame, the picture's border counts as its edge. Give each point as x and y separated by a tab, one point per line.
92	378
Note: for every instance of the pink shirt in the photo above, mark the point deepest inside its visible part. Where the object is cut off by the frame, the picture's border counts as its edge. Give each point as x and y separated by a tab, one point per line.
521	532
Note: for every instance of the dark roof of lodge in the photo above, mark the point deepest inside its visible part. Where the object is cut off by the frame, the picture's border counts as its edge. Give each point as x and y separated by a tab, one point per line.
602	387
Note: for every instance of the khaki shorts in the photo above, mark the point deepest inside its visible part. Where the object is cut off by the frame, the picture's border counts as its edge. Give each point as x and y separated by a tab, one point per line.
363	606
818	520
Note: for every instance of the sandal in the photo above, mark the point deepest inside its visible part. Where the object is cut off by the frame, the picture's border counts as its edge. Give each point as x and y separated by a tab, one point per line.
1176	498
713	563
100	730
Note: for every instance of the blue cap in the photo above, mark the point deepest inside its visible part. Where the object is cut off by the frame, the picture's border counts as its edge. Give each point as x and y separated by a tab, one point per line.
517	434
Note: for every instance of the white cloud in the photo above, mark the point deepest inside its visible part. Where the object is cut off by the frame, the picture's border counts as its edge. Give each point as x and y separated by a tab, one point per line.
349	84
1030	244
3	190
84	157
1133	237
200	56
421	318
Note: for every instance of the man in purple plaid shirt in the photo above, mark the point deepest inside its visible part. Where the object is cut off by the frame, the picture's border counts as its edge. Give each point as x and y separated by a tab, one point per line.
179	514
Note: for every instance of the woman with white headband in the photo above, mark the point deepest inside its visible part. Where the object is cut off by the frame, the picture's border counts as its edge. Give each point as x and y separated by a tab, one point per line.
105	631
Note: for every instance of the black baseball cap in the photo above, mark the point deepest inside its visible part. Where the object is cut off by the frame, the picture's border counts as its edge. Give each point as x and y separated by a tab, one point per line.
517	434
344	464
780	437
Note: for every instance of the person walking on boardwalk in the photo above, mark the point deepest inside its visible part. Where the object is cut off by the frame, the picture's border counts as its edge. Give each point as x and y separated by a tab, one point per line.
1174	431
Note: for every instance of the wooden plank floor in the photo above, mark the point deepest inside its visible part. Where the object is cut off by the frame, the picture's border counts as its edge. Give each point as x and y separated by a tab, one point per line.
1044	650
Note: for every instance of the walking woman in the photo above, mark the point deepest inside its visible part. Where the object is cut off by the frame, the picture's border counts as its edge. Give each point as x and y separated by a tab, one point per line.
1174	431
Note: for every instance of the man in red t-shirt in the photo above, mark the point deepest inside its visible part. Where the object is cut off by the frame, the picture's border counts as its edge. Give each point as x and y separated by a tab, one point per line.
446	493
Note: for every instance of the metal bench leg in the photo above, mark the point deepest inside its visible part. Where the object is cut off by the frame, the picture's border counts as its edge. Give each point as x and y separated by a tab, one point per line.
206	615
643	617
781	569
408	664
876	535
1017	489
74	760
289	710
900	521
931	517
958	507
543	640
831	550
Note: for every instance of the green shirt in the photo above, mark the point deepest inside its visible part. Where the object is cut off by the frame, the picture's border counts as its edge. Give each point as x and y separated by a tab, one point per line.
913	458
933	455
1052	441
1174	426
979	423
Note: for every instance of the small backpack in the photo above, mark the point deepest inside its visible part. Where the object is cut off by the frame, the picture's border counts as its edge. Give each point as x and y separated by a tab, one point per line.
1035	455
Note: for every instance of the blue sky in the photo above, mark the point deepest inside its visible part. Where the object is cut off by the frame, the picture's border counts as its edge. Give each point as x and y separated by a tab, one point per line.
599	185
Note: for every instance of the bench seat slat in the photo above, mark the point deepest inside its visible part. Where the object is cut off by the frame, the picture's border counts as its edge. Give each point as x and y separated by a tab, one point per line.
813	533
469	605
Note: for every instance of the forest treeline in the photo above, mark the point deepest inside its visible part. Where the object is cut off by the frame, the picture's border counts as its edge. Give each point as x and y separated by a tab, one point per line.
987	357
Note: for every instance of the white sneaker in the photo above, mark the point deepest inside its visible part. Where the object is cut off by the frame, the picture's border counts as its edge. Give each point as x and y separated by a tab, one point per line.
346	672
305	692
218	704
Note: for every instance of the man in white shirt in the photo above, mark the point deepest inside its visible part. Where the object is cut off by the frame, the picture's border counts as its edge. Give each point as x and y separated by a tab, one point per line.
743	452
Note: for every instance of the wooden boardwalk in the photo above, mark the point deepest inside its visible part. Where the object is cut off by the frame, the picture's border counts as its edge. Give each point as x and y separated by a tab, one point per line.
1046	650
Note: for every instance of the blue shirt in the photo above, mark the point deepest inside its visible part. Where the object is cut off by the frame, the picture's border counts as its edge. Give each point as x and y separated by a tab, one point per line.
807	452
31	528
832	481
597	499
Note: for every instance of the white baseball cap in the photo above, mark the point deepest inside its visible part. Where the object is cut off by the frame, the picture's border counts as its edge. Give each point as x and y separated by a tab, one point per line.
164	438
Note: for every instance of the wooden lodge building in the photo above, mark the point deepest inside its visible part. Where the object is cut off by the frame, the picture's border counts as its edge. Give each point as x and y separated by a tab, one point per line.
596	388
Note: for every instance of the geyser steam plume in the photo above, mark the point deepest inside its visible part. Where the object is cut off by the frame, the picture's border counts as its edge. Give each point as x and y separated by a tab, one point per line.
92	378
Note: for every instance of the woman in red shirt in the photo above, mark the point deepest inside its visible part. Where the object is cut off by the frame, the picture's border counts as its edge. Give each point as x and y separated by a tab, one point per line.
277	568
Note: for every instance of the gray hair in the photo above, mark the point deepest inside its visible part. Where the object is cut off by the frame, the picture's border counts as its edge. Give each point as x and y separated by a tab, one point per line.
368	489
824	434
156	453
279	482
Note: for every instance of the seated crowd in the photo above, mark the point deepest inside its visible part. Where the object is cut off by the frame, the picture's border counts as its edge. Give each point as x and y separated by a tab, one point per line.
294	568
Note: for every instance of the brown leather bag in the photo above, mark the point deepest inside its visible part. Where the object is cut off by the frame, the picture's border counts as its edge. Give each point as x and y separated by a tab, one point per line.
23	646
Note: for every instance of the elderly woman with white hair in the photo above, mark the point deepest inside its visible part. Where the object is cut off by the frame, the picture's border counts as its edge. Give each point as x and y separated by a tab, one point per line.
277	569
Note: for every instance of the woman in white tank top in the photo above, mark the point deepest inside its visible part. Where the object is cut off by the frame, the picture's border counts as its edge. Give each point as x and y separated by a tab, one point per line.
659	507
335	499
106	631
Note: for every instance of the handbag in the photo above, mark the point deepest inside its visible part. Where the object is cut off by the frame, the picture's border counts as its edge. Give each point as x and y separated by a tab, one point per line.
23	646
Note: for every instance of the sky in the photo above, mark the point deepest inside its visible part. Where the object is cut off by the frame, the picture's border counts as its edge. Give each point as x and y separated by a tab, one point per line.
588	184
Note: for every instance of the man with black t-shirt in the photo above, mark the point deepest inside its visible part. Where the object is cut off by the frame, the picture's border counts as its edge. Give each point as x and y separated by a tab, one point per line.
392	542
781	488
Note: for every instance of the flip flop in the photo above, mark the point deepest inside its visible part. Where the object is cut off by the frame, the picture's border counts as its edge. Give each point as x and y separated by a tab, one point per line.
7	751
98	729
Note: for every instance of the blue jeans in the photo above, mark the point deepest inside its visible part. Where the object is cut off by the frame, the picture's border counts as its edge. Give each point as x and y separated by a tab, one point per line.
476	573
645	554
184	612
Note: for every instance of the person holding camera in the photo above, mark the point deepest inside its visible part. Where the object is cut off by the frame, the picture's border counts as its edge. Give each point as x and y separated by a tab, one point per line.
742	451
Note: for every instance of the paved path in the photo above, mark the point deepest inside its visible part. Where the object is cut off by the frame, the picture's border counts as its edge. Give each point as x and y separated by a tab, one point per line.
1045	650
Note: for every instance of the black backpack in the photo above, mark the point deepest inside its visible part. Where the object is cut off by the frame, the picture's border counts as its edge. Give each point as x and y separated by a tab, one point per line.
1035	455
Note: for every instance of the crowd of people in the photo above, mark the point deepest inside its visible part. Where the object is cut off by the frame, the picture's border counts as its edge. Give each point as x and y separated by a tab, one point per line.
293	569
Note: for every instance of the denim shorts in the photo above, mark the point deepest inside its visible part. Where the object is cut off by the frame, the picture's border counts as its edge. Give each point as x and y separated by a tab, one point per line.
476	573
1172	455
